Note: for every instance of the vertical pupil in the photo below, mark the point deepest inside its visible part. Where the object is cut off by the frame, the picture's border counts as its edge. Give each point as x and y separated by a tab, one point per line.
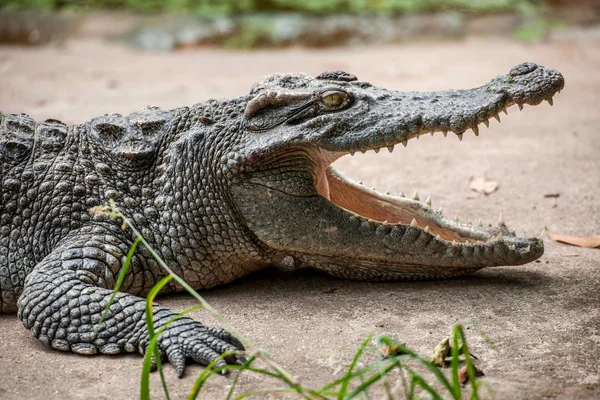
333	99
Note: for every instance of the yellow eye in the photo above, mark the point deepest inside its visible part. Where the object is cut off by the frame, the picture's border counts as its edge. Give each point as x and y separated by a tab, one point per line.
333	99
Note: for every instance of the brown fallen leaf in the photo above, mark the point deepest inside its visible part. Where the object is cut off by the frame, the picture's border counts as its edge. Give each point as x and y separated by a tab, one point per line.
580	241
463	377
440	352
390	351
483	185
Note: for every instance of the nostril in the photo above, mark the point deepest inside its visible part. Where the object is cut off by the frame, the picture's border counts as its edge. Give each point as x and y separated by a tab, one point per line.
523	69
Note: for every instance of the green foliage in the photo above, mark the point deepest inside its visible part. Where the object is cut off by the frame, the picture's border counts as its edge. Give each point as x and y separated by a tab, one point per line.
229	7
535	29
355	382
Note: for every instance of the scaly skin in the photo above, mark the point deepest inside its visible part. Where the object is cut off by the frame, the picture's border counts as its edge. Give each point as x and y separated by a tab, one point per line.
225	188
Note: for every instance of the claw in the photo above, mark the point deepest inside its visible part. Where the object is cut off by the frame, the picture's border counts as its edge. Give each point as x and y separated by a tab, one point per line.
241	358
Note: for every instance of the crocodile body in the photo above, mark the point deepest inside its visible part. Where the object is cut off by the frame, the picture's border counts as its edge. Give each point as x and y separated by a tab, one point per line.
224	188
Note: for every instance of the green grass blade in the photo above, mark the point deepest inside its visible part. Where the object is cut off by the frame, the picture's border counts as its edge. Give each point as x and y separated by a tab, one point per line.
459	332
248	363
411	354
151	350
346	380
146	369
121	277
456	392
374	378
210	370
417	380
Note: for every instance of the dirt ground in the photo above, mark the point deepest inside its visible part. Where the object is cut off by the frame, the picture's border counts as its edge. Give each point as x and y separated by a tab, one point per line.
535	328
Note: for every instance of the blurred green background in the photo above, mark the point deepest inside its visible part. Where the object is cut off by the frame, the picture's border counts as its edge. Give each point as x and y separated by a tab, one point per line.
304	6
247	24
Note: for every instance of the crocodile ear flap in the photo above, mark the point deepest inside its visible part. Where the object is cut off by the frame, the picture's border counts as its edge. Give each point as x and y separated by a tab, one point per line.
272	99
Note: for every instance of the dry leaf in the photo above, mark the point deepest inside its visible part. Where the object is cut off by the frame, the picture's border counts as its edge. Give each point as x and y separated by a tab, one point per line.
441	351
390	351
483	185
463	377
580	241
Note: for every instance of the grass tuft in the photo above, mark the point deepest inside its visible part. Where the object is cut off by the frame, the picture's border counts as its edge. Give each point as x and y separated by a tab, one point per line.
354	383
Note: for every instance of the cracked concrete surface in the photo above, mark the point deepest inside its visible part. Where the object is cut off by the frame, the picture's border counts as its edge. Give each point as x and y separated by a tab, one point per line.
543	319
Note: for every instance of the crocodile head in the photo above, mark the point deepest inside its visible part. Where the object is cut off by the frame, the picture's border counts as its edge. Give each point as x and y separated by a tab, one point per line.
294	201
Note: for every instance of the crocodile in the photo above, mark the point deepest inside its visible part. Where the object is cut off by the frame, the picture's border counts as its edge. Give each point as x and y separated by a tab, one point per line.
224	188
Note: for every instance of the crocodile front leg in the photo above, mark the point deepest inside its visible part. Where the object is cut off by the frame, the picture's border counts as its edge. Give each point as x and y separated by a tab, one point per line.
65	295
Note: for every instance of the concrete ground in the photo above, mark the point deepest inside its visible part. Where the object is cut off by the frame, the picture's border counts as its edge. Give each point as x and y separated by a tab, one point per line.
535	328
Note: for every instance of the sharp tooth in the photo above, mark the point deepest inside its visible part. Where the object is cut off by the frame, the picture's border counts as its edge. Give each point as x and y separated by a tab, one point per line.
459	136
376	151
417	136
497	117
404	142
387	192
504	111
480	223
501	221
512	247
520	107
402	194
550	101
428	201
500	237
431	133
440	210
363	151
456	217
352	153
528	249
390	148
466	241
487	123
385	223
475	130
360	182
415	196
445	133
413	223
426	229
438	237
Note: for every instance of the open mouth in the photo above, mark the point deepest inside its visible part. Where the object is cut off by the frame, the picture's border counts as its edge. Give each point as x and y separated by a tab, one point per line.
383	211
302	206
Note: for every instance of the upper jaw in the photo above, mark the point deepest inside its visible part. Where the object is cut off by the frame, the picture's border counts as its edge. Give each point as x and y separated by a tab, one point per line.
394	117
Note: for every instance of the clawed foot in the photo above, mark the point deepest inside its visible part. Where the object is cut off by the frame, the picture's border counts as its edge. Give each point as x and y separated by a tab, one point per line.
188	339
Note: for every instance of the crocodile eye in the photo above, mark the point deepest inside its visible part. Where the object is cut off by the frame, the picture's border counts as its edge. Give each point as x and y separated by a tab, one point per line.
332	99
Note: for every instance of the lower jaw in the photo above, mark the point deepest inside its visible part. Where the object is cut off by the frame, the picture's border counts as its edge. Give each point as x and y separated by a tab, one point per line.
383	212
